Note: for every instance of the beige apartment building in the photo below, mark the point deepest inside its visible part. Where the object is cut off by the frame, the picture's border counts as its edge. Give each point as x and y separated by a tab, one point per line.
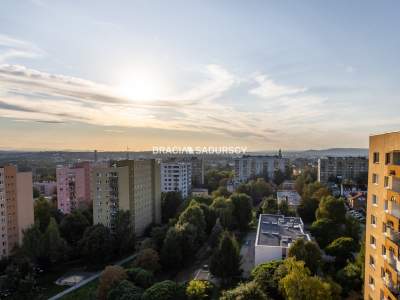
16	207
382	261
132	185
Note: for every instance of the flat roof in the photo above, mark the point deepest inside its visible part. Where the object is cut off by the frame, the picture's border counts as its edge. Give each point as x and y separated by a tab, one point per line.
278	230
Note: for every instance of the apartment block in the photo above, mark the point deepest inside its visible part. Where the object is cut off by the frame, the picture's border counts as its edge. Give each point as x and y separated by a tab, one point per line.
248	167
16	207
382	260
176	177
346	169
46	188
73	187
131	185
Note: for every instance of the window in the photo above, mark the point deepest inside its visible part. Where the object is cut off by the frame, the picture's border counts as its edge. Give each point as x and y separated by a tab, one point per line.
375	178
383	250
372	241
374	200
387	158
386	182
372	261
376	157
371	281
373	220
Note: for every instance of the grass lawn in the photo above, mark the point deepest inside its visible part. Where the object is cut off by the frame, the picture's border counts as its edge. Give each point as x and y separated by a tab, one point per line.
87	292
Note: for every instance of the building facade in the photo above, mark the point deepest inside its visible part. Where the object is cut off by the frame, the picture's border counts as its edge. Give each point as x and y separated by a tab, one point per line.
382	261
46	188
345	169
176	177
248	167
275	235
16	207
131	185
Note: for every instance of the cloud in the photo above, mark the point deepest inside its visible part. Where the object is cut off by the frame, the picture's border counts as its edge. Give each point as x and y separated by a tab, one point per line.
267	88
15	48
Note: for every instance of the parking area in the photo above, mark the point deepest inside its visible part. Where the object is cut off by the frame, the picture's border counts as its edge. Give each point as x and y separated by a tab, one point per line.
247	252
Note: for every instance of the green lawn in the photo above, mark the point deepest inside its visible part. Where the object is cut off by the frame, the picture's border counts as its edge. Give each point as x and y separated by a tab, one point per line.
87	292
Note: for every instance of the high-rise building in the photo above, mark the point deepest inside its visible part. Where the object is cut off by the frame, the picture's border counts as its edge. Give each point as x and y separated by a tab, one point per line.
248	167
345	169
73	187
197	171
176	177
382	261
16	207
131	185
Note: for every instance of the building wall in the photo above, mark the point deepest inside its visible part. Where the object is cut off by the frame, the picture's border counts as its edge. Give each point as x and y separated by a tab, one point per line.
349	168
383	213
25	215
176	176
3	215
10	173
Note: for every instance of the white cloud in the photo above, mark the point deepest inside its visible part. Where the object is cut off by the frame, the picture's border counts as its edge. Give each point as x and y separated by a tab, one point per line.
267	88
15	48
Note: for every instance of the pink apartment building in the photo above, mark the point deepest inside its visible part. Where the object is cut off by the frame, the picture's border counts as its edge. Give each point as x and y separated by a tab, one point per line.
73	187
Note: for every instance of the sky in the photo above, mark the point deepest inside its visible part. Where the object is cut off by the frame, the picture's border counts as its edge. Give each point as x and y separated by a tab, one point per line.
107	75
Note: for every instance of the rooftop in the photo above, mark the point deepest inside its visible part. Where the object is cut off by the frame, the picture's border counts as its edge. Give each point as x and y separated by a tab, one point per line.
278	230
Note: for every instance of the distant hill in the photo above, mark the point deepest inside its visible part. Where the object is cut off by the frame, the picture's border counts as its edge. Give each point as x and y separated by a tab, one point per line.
330	152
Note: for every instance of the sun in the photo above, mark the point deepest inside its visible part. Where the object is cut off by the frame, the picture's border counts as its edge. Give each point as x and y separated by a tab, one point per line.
141	86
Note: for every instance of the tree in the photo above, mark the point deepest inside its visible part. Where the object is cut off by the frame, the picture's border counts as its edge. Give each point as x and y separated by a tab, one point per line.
333	209
42	212
164	290
350	278
224	211
109	278
148	259
170	201
55	246
269	206
215	234
264	276
279	177
242	210
325	231
140	277
123	233
245	291
96	244
342	248
171	253
352	229
198	290
307	209
222	191
36	193
285	210
226	260
214	178
308	252
73	226
193	215
299	285
210	216
256	189
33	244
158	234
125	290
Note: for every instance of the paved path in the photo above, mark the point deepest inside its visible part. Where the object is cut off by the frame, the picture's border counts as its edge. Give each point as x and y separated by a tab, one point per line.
87	280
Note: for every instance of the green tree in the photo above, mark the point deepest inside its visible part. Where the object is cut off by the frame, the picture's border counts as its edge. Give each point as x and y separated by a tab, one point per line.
350	278
42	212
256	189
141	277
73	226
331	208
123	233
109	278
215	234
148	259
171	253
264	276
170	201
285	210
298	284
55	246
33	245
325	231
198	290
125	290
307	209
221	191
210	216
242	210
342	248
164	290
226	260
308	252
279	177
245	291
269	206
224	211
96	245
158	234
193	215
214	178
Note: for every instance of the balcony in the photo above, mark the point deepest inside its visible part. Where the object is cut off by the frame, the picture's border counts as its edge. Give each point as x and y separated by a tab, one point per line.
393	183
393	288
394	209
392	234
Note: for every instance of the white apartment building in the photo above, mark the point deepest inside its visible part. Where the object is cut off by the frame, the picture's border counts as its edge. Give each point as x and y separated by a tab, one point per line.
275	235
176	177
248	167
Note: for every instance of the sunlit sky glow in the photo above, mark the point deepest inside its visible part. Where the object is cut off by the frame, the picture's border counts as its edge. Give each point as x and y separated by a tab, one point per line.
263	74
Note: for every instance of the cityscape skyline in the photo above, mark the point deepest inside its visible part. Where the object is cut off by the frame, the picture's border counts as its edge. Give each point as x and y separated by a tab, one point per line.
265	75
